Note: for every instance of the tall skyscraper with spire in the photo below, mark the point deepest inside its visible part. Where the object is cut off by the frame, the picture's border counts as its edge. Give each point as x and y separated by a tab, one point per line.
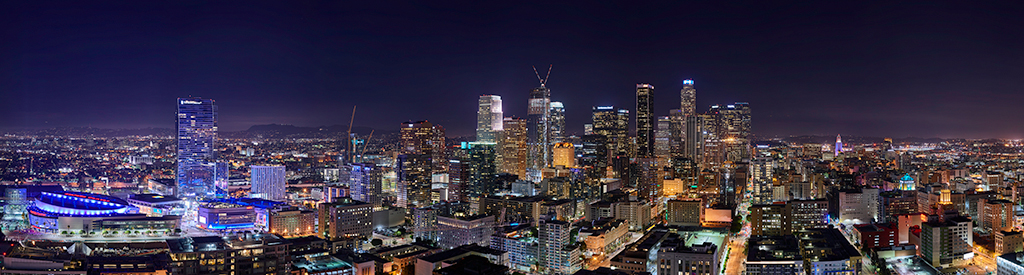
839	144
488	118
645	119
198	172
538	128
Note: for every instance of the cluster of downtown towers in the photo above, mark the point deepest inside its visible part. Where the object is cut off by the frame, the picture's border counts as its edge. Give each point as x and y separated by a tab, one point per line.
684	143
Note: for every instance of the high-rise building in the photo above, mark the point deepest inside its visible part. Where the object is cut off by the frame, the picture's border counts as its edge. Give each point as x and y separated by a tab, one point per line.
839	145
457	231
557	253
488	118
482	181
693	147
268	182
663	138
198	171
995	215
735	131
564	155
557	122
677	133
687	109
595	152
613	124
688	96
422	154
538	118
345	218
512	147
645	119
712	152
365	183
425	138
948	242
648	183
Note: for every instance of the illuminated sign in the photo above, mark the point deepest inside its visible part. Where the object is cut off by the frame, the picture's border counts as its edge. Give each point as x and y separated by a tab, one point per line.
191	102
688	82
605	107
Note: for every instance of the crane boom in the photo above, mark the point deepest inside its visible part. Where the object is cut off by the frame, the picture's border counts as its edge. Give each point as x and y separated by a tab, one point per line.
366	142
348	141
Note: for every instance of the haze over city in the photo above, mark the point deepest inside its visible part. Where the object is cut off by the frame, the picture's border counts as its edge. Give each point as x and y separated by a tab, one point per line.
861	69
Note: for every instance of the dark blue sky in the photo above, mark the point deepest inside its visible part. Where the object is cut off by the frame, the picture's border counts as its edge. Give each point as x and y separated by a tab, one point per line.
882	69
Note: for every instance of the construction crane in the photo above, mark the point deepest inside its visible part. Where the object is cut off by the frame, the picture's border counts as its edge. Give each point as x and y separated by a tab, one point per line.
366	142
348	138
545	79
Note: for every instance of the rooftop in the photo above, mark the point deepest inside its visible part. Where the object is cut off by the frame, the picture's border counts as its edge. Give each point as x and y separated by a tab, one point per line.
154	198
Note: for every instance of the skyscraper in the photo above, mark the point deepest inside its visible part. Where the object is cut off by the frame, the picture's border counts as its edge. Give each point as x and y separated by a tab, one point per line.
694	145
735	131
613	124
564	155
663	138
198	170
482	180
839	144
557	122
645	119
689	98
422	154
512	147
268	182
687	109
538	131
365	183
677	133
488	118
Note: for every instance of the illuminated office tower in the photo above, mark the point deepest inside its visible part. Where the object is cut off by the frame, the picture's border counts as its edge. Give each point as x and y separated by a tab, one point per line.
693	148
595	152
512	147
564	155
648	184
663	138
365	183
645	119
688	95
613	124
735	131
422	154
557	122
538	131
677	133
488	118
268	182
711	131
482	181
839	145
198	172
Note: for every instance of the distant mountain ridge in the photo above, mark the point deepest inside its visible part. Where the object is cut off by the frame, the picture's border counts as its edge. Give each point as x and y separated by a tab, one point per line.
264	131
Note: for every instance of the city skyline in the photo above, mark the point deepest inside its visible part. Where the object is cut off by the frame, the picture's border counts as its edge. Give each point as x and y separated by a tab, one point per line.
887	70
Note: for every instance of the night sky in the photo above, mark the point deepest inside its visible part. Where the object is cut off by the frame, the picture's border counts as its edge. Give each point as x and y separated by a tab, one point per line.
871	69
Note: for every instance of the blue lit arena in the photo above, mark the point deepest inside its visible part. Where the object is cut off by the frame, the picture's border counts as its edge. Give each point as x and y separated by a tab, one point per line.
52	212
74	204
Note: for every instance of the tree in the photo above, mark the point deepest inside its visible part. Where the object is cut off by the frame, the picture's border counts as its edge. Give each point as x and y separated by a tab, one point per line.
377	242
737	224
